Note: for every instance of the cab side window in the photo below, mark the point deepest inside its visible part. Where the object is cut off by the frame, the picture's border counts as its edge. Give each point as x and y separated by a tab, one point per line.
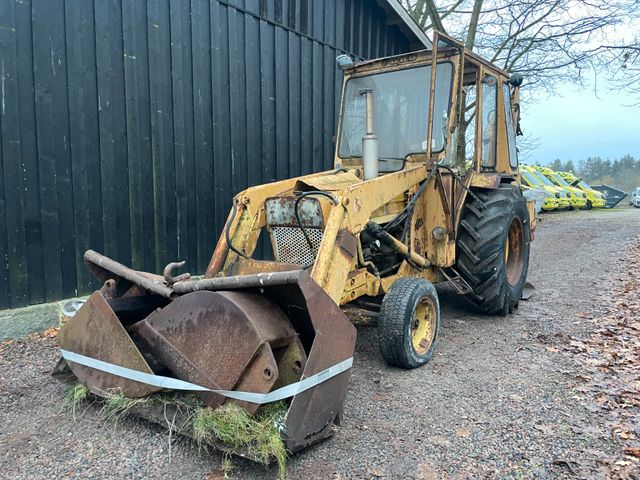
461	151
511	129
489	120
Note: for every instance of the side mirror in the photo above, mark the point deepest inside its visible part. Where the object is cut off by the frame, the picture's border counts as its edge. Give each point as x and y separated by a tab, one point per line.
344	61
516	79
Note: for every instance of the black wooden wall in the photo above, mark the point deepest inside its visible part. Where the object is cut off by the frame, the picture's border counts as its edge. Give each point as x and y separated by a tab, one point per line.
127	126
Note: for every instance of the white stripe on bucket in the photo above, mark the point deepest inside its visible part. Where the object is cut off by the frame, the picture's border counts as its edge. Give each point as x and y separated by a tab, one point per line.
175	384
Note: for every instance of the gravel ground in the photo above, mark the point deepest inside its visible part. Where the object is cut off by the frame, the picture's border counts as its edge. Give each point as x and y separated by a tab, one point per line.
498	400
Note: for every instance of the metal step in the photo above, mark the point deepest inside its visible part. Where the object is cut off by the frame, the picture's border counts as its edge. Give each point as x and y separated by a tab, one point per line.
454	278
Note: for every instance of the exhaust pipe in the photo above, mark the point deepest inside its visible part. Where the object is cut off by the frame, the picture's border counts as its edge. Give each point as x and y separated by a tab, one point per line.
369	140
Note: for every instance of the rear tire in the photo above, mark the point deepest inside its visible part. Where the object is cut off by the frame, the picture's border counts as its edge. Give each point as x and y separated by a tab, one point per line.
408	323
493	249
589	205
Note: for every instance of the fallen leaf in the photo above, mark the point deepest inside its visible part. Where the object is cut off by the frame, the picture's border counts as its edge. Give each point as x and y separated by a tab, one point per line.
216	475
378	472
50	333
632	451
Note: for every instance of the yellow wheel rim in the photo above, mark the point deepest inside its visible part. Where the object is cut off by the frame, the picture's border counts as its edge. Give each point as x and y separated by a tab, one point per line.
423	326
514	252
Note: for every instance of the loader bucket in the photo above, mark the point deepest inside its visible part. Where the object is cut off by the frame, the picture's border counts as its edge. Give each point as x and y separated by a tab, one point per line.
95	331
249	333
326	334
223	340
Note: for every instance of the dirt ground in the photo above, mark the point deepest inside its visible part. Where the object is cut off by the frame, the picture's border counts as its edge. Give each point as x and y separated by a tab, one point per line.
516	397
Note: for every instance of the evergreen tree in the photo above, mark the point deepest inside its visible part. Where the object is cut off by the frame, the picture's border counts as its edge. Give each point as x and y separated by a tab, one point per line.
568	167
556	165
623	173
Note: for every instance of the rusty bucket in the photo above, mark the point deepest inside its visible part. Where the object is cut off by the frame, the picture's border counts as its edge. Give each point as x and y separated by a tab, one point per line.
249	333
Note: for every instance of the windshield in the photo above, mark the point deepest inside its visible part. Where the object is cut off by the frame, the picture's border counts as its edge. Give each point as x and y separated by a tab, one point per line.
400	111
532	179
543	179
584	185
560	180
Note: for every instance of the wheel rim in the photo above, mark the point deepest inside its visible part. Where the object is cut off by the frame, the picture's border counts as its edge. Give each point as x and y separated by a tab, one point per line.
514	252
423	326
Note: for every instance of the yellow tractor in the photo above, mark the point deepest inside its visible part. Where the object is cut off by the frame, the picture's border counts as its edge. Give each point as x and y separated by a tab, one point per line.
425	189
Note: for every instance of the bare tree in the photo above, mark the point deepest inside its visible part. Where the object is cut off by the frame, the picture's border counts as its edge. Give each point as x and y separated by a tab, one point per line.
623	61
549	41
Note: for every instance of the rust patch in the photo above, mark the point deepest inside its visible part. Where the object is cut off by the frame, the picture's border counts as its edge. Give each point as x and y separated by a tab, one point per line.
96	332
485	180
218	340
249	266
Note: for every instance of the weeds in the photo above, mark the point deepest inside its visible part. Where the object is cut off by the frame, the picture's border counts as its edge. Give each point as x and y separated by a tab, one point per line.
226	465
75	396
116	406
228	427
232	425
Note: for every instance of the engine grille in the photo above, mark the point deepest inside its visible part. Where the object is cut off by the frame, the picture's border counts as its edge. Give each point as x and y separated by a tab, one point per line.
291	246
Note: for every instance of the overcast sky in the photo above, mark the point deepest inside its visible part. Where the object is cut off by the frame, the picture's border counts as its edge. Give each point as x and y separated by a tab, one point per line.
579	124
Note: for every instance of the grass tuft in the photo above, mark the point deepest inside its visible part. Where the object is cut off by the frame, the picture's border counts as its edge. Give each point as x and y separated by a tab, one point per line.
234	426
229	427
74	397
226	465
116	406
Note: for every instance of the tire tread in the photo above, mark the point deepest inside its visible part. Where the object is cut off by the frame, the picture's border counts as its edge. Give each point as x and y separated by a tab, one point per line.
397	308
480	248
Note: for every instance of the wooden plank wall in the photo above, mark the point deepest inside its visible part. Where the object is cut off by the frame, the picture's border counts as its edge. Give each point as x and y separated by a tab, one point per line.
127	126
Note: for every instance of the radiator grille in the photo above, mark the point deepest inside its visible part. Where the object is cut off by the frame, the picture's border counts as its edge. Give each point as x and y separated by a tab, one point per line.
290	245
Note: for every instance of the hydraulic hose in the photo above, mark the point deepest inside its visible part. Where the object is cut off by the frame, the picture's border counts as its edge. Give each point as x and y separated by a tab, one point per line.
385	237
330	196
234	212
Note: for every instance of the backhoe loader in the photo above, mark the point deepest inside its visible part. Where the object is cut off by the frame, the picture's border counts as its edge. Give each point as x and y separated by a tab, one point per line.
424	189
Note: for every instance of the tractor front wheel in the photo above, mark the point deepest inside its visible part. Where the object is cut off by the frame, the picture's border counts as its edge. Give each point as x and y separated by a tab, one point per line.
408	323
493	249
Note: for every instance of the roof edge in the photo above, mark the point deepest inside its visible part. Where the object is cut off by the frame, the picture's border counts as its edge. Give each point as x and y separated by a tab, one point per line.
411	27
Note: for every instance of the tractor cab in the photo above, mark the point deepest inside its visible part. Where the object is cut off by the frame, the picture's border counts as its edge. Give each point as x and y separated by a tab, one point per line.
446	105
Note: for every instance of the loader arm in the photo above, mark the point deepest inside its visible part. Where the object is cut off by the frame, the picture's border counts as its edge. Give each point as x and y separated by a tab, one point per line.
356	201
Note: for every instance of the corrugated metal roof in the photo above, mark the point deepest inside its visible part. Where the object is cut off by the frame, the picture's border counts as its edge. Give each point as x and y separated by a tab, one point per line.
405	23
